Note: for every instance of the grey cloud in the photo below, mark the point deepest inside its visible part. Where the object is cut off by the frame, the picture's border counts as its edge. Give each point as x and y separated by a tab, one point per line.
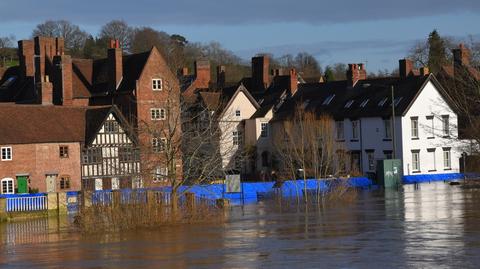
219	12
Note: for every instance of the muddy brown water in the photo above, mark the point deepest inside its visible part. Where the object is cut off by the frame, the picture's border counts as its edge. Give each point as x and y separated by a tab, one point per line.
435	226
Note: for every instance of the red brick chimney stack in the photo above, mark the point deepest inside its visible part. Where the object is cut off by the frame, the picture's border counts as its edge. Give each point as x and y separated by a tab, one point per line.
424	71
405	67
62	83
260	71
461	55
45	89
355	73
25	55
202	74
293	81
115	64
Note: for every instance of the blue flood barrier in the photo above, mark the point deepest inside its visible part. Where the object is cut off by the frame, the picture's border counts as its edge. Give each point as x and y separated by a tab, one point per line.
412	179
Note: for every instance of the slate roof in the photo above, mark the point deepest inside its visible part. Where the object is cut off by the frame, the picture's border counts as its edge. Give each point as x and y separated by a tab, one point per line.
28	124
368	98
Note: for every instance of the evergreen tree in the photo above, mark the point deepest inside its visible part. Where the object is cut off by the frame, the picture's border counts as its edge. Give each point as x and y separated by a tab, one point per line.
329	76
437	56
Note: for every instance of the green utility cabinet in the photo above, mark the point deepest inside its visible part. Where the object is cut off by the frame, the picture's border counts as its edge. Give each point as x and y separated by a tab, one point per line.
389	173
22	184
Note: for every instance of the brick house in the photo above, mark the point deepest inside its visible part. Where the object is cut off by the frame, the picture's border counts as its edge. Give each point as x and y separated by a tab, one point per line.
49	148
140	85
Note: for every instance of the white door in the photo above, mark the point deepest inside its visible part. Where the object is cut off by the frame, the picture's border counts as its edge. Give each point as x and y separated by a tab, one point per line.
51	182
98	184
115	183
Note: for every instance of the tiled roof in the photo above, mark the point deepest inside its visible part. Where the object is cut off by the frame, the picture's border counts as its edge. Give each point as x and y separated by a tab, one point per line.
368	98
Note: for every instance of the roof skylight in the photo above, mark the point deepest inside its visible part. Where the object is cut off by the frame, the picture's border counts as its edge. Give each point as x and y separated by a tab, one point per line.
328	100
364	103
349	103
383	101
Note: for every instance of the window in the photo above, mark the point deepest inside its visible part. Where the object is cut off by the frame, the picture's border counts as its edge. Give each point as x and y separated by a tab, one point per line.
349	104
397	100
92	156
63	151
371	160
414	126
128	154
364	103
64	182
355	129
387	126
159	144
157	113
339	130
431	127
433	161
237	138
328	100
6	153
447	159
237	113
445	125
388	154
7	186
416	160
383	101
160	174
157	84
264	129
111	126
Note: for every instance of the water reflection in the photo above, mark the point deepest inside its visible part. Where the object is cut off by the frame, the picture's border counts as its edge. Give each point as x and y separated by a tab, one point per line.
437	226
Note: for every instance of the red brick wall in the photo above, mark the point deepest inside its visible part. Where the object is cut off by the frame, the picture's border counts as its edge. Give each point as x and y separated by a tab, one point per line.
40	159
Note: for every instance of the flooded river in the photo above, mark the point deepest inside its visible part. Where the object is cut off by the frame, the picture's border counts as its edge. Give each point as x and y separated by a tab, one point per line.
435	226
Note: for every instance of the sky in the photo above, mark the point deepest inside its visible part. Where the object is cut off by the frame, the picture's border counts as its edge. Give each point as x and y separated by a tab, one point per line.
375	32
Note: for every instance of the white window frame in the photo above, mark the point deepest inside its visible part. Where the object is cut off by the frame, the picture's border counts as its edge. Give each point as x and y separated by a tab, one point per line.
433	155
236	138
414	127
157	84
340	130
416	161
264	129
160	174
6	153
157	113
447	159
387	128
238	113
355	124
431	126
159	144
445	125
10	187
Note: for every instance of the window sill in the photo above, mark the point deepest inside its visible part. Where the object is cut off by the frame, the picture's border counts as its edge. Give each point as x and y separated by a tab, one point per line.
6	160
415	138
431	137
447	169
353	140
340	140
387	139
435	170
445	136
416	172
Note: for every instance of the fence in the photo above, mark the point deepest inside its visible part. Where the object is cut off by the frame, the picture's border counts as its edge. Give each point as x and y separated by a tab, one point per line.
26	202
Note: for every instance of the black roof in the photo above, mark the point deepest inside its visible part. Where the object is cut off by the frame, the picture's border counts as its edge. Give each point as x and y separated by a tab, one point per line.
368	98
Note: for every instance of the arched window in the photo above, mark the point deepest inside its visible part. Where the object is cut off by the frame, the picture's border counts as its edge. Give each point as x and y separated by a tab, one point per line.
7	186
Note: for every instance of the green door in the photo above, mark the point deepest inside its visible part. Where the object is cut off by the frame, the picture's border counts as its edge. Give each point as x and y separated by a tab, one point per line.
22	184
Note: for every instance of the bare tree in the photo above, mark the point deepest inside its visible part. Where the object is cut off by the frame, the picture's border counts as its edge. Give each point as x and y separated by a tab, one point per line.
306	147
7	50
72	34
118	29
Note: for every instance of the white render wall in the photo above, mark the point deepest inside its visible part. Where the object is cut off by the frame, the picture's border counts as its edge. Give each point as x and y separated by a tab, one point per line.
430	103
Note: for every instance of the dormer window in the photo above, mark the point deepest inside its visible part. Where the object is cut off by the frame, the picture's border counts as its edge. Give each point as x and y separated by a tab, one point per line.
157	84
364	103
328	100
349	104
397	100
383	101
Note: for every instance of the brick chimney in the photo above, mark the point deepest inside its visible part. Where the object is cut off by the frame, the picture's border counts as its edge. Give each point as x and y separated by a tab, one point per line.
260	72
182	72
221	76
45	49
293	81
202	74
405	67
45	90
25	55
461	59
115	64
62	82
355	73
